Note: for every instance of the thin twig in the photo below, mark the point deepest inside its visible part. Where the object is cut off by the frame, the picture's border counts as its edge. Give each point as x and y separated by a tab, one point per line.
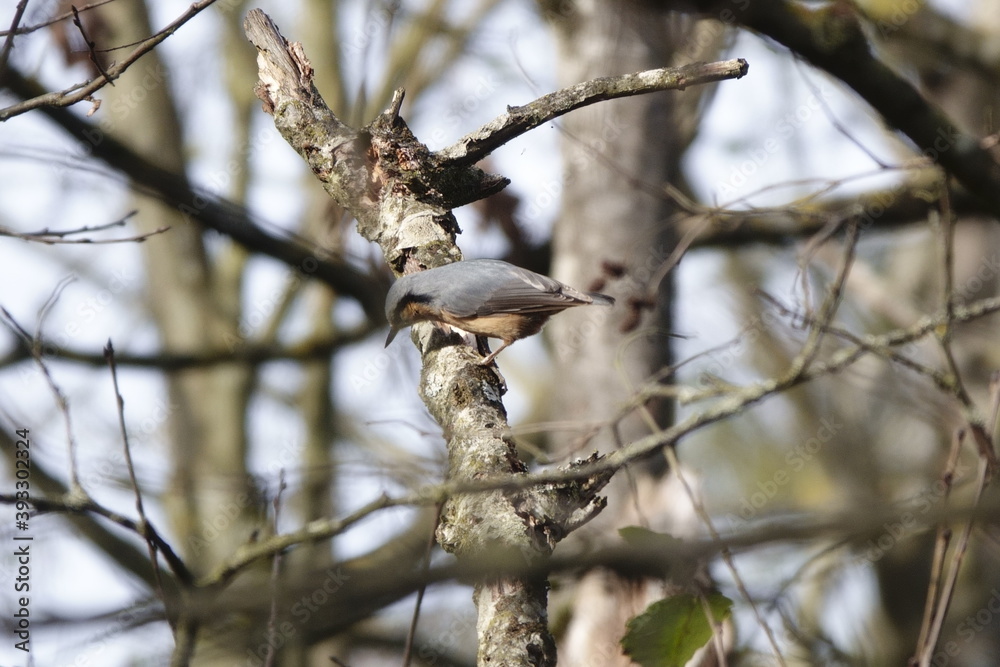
947	224
86	228
75	488
683	245
984	442
830	304
71	503
969	410
843	358
798	366
941	543
717	630
144	525
725	554
52	21
79	92
91	46
957	558
45	310
412	632
8	44
272	617
52	237
821	100
314	531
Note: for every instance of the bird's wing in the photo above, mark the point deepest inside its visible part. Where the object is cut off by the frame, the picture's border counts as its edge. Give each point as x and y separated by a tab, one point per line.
514	291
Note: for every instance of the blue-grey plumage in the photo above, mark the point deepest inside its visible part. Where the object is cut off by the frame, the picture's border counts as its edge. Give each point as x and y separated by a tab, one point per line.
486	297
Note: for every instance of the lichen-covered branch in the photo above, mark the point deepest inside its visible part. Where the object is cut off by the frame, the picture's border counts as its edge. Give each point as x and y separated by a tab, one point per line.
518	120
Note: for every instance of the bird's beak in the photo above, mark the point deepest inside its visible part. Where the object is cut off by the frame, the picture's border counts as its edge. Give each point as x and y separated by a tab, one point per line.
392	334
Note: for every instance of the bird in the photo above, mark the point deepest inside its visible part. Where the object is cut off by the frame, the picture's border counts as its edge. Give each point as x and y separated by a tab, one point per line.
485	297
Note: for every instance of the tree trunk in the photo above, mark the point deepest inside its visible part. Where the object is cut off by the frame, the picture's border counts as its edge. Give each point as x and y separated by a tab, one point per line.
211	501
616	158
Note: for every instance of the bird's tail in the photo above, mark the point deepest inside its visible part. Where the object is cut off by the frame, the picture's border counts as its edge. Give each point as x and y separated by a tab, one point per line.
601	299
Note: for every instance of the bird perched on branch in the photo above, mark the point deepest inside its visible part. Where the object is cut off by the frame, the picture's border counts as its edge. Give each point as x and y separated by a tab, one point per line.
485	297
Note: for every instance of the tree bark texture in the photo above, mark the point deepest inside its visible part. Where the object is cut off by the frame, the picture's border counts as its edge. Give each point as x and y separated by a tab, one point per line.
616	157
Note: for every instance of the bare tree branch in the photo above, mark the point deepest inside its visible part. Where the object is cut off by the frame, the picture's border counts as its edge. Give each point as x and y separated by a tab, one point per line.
517	120
75	504
24	30
8	44
79	92
212	211
60	397
247	352
363	589
52	237
143	525
831	38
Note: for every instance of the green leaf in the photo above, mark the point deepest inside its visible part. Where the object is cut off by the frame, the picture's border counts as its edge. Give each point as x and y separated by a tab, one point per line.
669	631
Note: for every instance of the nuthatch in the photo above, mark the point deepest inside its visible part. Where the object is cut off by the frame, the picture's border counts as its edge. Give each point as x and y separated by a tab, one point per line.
485	297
